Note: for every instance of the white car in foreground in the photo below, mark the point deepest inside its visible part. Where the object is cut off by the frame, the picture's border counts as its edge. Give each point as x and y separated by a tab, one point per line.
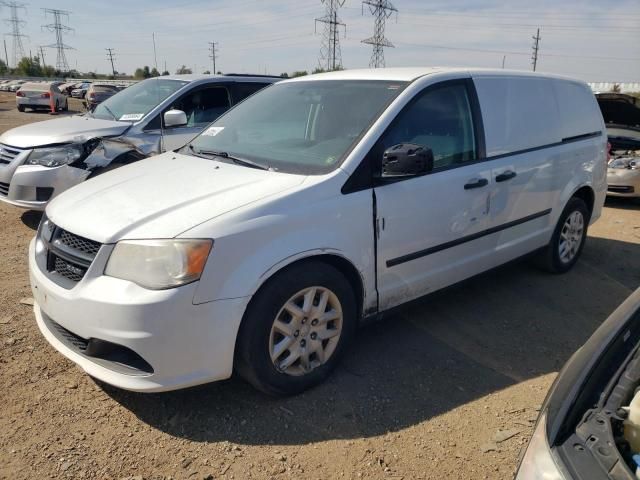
315	203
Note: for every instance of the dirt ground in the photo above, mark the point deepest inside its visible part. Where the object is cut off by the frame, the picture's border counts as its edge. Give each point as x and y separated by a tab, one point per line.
428	393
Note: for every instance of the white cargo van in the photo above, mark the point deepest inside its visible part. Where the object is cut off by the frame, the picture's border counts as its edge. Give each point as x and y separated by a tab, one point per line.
317	202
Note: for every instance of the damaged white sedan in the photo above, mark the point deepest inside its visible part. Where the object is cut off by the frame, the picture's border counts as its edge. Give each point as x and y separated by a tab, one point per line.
41	160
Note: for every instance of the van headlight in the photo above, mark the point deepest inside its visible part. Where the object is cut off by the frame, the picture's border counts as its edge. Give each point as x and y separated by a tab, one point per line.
159	264
55	156
538	463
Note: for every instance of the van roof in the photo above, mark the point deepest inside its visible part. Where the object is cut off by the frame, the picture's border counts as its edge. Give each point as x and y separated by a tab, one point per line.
408	74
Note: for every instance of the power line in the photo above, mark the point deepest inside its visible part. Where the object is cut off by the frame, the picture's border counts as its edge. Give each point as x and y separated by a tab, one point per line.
330	53
110	55
58	28
15	22
381	10
213	50
536	47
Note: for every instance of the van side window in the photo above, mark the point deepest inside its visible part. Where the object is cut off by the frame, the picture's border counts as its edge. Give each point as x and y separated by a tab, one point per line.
439	119
203	106
243	90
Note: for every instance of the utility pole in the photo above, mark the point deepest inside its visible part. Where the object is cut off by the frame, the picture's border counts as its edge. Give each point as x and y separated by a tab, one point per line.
155	57
536	47
6	55
110	57
381	10
58	28
44	64
330	53
213	50
16	23
504	57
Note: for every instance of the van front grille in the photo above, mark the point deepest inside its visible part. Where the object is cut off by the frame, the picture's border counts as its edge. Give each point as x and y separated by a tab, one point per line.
68	255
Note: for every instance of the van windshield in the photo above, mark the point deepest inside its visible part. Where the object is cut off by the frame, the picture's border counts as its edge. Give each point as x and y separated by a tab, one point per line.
303	127
134	102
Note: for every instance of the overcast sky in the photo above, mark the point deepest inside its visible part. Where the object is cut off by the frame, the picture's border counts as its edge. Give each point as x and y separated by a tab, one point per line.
592	40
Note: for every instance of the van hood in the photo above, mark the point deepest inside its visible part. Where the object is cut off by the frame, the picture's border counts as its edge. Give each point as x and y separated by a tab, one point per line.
161	197
76	128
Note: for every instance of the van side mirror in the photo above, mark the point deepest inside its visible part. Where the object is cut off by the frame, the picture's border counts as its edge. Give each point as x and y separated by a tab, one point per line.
406	160
175	118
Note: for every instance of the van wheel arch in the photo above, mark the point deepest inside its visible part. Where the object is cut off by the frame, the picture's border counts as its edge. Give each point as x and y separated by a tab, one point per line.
587	195
344	266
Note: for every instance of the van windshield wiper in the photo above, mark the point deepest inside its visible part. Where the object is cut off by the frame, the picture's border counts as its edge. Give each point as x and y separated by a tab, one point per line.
234	159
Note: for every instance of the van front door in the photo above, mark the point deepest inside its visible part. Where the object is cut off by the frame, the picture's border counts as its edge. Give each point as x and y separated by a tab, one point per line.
431	228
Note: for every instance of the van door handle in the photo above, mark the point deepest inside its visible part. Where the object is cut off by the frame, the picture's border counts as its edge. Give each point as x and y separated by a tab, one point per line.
504	176
477	183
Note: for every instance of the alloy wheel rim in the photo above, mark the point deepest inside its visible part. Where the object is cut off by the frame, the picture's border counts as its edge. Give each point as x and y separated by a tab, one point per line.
306	331
571	237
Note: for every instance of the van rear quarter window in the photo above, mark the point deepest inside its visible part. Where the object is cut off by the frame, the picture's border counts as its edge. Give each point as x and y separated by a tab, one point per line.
579	112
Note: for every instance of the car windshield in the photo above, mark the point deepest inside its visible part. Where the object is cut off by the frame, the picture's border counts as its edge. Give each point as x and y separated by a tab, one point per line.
133	103
303	127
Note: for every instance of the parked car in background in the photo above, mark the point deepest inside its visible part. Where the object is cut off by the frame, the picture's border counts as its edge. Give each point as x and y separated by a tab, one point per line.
261	244
589	424
15	86
4	85
97	93
67	87
622	117
40	96
43	159
80	90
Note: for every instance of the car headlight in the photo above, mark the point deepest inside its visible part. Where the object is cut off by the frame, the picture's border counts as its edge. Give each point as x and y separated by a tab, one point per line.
55	156
159	264
624	163
537	463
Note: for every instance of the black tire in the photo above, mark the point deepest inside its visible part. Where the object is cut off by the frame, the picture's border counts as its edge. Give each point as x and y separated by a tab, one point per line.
549	258
66	106
20	108
253	360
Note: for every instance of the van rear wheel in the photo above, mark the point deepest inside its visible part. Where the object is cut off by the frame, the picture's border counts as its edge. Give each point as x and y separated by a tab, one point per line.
568	239
296	329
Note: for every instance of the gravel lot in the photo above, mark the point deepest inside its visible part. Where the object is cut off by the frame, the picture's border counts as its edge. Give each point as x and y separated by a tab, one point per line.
448	388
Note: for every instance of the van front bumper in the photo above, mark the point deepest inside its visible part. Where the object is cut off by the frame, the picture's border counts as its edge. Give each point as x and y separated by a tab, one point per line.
143	340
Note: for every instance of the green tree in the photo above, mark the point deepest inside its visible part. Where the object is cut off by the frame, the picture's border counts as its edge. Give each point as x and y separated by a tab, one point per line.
29	67
166	72
143	72
3	67
155	72
206	72
284	75
183	70
299	73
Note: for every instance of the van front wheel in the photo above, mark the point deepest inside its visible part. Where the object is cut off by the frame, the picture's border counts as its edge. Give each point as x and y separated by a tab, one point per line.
568	238
296	329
